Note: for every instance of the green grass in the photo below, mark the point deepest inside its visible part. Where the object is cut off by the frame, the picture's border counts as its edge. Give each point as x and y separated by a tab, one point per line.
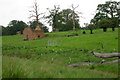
48	57
23	68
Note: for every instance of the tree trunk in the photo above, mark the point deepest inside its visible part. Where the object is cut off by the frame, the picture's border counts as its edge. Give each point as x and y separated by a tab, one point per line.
104	29
106	55
54	23
113	29
91	31
84	32
73	24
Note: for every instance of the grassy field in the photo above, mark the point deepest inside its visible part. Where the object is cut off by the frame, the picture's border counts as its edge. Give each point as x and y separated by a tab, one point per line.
49	57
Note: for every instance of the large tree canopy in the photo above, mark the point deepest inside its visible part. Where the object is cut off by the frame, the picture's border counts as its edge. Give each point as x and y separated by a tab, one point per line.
13	27
62	20
105	23
66	20
107	14
107	10
53	16
91	27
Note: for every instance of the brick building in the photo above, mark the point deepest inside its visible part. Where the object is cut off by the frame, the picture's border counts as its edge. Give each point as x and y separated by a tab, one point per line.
29	34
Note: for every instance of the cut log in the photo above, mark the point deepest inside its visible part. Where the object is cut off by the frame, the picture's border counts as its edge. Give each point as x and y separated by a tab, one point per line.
100	55
79	64
72	35
92	63
106	55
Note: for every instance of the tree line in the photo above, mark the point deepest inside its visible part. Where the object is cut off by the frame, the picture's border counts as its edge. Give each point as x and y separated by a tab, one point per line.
106	16
18	26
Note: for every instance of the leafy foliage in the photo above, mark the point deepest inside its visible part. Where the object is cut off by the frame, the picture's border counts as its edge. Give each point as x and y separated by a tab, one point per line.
107	14
53	17
67	19
33	25
91	27
105	23
62	20
13	27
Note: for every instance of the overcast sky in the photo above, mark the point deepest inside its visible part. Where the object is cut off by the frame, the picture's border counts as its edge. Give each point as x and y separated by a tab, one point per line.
19	9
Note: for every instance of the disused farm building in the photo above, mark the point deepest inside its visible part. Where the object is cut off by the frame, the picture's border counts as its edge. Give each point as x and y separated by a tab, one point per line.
29	34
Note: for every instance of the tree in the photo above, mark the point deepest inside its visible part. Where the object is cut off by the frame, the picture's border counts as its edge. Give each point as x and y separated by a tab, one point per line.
73	15
35	13
91	27
15	26
112	8
33	25
115	23
52	17
98	16
112	11
118	13
45	28
65	20
86	24
105	23
107	11
4	30
74	12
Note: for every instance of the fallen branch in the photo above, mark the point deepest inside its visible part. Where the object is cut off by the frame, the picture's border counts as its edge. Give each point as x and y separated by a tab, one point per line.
75	34
100	55
79	64
91	63
106	55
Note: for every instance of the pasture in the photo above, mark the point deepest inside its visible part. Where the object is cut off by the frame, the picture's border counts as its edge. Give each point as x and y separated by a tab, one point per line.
49	57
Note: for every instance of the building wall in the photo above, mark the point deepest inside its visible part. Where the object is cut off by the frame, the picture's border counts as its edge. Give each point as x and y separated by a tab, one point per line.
40	33
29	34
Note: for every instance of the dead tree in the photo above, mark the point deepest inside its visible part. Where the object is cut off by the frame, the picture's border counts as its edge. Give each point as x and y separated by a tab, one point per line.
35	13
73	14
